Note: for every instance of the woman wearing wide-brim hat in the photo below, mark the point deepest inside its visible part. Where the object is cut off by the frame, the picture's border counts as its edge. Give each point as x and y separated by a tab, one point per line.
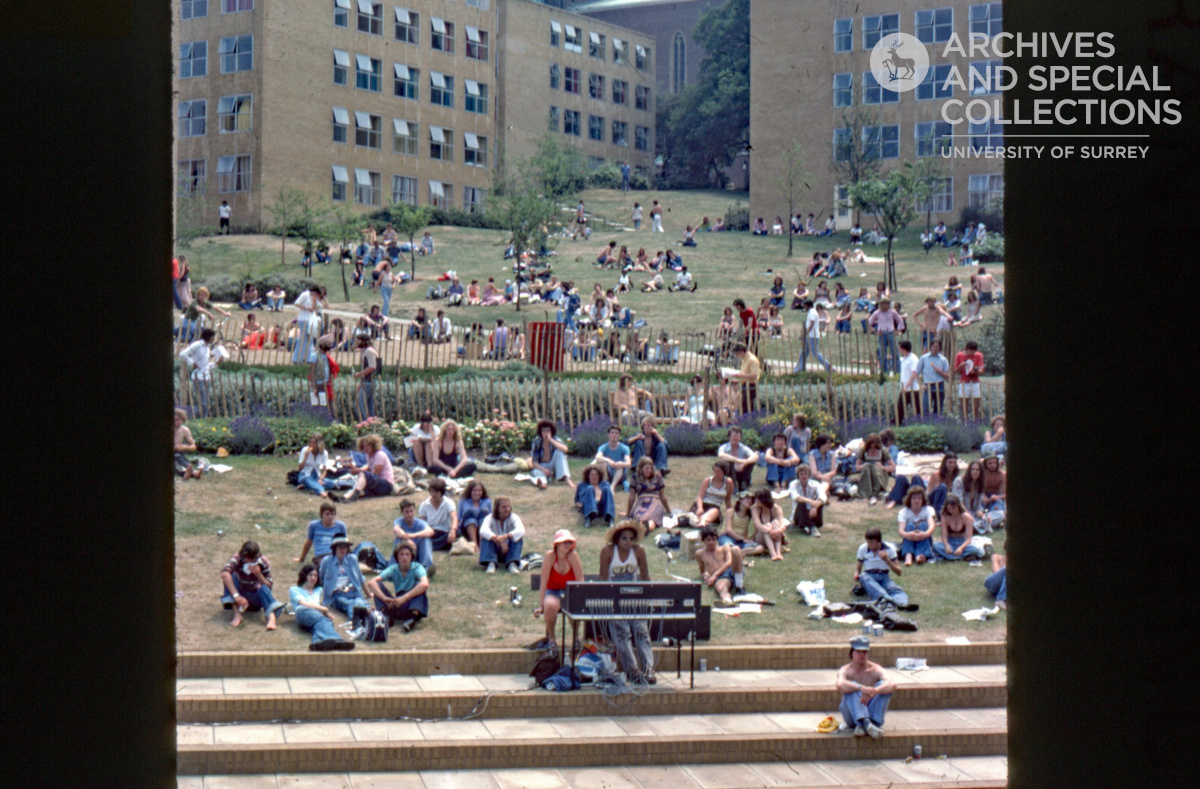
624	559
562	565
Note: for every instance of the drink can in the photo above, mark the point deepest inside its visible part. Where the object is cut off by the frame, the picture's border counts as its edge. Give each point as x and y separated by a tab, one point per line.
703	664
512	595
867	628
916	751
878	631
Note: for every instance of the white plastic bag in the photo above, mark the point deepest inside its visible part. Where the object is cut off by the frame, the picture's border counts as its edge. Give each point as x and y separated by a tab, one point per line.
813	592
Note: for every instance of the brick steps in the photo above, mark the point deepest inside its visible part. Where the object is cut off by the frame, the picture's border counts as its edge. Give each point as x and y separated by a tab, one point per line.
350	747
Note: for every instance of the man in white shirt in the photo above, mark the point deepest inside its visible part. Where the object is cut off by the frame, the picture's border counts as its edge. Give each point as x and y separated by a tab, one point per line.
809	497
683	281
440	331
816	319
308	321
935	370
441	514
198	356
224	212
741	458
910	382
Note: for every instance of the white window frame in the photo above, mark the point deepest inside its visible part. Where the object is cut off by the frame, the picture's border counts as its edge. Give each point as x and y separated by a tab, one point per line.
572	122
870	84
193	116
193	9
368	186
441	144
236	6
373	71
482	5
619	51
876	27
986	18
623	97
341	66
438	194
930	136
405	137
441	89
554	119
928	29
193	53
641	138
641	96
442	36
369	129
474	155
979	77
402	195
641	57
341	13
234	173
874	140
595	86
983	188
572	39
555	33
596	127
370	17
236	110
408	26
989	134
567	81
475	101
841	142
843	39
339	177
934	87
341	120
596	47
556	78
191	176
843	89
477	44
406	82
232	53
620	133
941	201
473	199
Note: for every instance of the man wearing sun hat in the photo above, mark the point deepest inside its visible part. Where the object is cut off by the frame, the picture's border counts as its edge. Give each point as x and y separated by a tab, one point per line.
341	578
865	692
623	559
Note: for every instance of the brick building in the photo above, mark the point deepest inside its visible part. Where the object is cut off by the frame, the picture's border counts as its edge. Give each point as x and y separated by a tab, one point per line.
810	62
368	102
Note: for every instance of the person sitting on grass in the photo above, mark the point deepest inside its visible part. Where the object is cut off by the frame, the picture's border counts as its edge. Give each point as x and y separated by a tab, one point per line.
594	498
808	510
865	692
874	560
740	533
916	527
473	506
782	461
741	458
997	583
616	459
995	488
650	443
562	565
648	496
341	579
250	299
422	441
409	527
873	466
623	559
449	454
549	457
321	533
995	439
607	255
312	616
311	468
408	603
716	565
247	581
957	531
376	478
769	525
653	284
501	537
715	497
184	443
821	463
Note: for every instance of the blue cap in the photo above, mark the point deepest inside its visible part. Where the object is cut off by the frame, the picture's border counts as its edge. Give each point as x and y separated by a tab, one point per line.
860	642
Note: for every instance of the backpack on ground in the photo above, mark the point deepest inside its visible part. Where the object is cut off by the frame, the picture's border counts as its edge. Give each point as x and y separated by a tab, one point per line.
370	625
369	554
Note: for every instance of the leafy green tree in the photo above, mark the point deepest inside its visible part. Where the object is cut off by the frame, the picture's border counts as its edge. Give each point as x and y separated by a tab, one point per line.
342	225
854	159
791	179
408	220
892	199
285	208
704	126
558	171
190	210
525	211
930	173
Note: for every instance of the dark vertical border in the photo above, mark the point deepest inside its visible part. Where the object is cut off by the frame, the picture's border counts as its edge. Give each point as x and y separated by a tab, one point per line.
1100	265
87	210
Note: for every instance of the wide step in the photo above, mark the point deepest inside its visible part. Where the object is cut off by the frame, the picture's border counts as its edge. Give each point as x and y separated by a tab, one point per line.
576	742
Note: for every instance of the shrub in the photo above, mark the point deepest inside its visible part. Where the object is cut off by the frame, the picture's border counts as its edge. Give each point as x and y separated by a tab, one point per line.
209	434
962	438
590	434
249	435
459	218
991	343
737	217
392	434
339	436
919	438
312	414
291	435
992	216
685	438
857	428
222	287
816	417
991	250
292	285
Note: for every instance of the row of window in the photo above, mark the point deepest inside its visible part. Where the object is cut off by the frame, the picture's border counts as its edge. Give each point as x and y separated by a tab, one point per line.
196	9
234	114
930	26
233	174
368	133
571	81
406	82
570	122
368	190
929	138
407	29
236	54
570	38
983	78
981	191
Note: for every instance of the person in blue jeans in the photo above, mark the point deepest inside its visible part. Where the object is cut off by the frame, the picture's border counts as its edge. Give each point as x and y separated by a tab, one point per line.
886	322
321	533
594	497
997	583
247	581
865	692
957	532
501	537
616	458
649	443
305	597
549	457
408	604
409	527
342	581
875	560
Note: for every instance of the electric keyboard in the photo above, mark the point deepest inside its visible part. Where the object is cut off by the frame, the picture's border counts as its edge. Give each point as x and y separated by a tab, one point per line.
615	600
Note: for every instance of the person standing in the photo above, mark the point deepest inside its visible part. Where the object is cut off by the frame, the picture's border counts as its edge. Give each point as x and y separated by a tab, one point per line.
624	559
934	370
968	363
985	283
747	375
865	692
308	321
369	359
224	212
656	217
813	324
636	216
198	356
910	383
175	283
624	176
885	322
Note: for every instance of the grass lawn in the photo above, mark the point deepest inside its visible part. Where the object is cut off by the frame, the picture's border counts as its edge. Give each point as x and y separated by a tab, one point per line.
725	265
470	609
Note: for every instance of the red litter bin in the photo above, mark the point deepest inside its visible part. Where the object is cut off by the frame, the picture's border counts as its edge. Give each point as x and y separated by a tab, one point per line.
546	340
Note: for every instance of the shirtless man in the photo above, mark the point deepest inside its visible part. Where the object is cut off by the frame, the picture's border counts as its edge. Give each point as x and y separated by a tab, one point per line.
985	283
928	318
625	400
184	443
865	693
716	565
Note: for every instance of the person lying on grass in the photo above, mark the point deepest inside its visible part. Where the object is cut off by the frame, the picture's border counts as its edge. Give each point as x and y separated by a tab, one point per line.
312	616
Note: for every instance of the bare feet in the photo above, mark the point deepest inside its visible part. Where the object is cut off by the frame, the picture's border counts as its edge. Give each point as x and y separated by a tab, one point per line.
920	560
889	504
237	619
777	558
908	560
570	484
1002	605
271	623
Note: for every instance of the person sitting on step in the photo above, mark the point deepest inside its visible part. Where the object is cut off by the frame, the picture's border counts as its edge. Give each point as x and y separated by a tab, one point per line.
865	692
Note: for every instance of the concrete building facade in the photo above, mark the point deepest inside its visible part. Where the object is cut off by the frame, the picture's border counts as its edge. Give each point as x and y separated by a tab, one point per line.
810	64
366	102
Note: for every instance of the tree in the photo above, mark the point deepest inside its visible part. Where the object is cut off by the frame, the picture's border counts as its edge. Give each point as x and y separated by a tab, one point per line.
408	221
930	173
311	226
854	157
525	211
558	171
703	127
190	212
285	207
791	179
342	226
892	200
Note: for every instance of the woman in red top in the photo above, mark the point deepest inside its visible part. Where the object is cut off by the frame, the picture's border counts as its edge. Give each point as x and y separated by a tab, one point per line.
562	565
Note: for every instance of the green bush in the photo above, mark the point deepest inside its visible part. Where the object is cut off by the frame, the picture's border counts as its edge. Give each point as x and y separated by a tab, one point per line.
737	217
459	218
209	434
991	250
991	343
992	216
713	439
919	438
222	287
961	438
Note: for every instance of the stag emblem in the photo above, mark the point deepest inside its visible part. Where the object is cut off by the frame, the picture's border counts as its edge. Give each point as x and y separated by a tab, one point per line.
895	64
